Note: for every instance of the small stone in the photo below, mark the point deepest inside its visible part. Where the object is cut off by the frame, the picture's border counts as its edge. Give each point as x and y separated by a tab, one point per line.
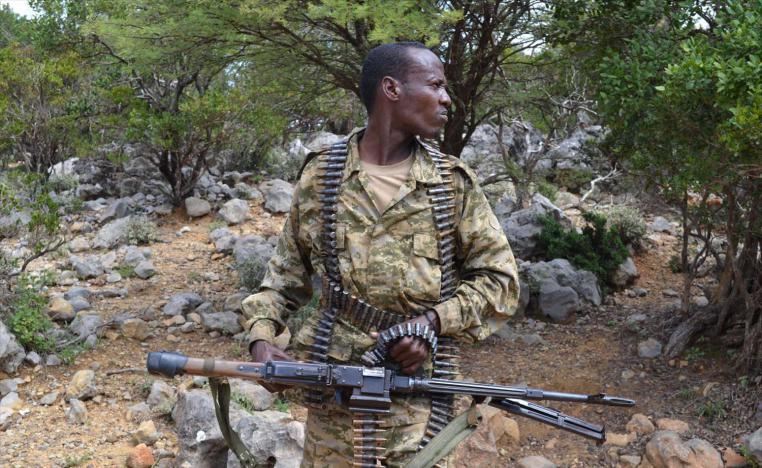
214	334
146	433
139	412
60	309
136	328
140	457
161	395
551	444
145	269
173	338
82	385
640	424
49	399
33	358
619	440
79	304
196	207
11	401
7	386
627	374
187	327
113	277
53	360
67	278
755	444
649	349
77	412
670	293
674	425
195	318
174	320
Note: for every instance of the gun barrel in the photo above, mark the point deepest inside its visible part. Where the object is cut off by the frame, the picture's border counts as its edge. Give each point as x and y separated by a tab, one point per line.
501	391
172	364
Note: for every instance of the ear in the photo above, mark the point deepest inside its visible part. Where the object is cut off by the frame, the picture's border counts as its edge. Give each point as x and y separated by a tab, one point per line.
390	88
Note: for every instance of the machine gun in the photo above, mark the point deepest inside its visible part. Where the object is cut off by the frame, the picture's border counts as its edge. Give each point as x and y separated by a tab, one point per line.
368	389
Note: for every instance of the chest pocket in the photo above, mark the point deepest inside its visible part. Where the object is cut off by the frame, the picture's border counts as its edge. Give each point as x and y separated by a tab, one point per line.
424	276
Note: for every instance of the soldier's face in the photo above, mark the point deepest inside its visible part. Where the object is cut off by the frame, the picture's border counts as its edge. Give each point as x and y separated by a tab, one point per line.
423	100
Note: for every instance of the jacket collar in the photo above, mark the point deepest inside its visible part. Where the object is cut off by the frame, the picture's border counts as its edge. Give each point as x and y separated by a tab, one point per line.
423	170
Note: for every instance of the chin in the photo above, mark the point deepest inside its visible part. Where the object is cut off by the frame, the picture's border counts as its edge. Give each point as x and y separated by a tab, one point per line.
430	134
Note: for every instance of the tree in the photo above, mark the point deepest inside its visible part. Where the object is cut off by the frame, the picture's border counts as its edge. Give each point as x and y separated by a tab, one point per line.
680	85
39	111
324	43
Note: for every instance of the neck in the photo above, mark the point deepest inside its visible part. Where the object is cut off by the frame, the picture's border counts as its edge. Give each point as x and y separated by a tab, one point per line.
382	144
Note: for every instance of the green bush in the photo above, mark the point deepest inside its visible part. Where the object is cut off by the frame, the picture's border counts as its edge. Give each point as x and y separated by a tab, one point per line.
547	190
140	230
29	321
627	221
597	248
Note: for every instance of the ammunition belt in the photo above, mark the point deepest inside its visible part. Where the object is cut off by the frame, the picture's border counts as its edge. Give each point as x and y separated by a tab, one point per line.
336	302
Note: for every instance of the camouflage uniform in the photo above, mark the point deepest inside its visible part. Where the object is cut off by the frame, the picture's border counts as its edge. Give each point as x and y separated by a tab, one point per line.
391	260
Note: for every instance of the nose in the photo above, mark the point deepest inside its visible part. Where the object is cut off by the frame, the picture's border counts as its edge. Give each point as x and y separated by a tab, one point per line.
444	98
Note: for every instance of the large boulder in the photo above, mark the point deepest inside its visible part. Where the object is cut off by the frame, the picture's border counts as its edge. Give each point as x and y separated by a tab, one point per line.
87	267
252	248
484	155
118	208
667	450
522	226
626	273
278	194
557	289
11	352
223	322
196	207
111	234
273	439
235	211
200	439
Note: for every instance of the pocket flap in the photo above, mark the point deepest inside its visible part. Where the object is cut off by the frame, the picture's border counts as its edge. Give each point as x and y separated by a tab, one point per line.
425	245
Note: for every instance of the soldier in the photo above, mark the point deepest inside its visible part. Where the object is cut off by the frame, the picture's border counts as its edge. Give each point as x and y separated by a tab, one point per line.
406	234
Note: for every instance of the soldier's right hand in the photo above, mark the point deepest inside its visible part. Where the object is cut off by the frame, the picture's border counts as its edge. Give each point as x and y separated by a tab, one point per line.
262	351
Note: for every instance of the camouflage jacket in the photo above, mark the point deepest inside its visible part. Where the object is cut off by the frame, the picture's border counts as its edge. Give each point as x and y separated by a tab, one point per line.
389	259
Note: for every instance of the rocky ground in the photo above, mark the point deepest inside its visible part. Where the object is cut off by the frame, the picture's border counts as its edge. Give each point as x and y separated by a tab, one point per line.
120	415
595	352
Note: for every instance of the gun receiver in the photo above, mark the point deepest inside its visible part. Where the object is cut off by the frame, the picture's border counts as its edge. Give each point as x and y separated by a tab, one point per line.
369	388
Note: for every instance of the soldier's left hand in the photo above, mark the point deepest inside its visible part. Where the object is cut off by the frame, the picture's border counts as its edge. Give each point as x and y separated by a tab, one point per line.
411	351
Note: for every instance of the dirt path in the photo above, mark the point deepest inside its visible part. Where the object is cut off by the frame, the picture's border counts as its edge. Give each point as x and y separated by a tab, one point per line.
589	355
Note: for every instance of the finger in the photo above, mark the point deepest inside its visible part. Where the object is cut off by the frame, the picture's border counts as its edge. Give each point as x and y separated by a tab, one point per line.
416	350
401	347
409	370
374	335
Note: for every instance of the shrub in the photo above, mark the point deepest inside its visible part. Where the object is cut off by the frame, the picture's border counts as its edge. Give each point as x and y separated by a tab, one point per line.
29	321
250	273
140	230
627	221
547	190
597	249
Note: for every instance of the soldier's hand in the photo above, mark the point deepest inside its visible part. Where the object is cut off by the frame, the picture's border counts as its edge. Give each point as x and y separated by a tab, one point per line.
262	351
411	351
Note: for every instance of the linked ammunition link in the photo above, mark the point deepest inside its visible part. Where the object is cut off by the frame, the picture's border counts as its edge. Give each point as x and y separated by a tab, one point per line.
331	166
367	440
376	356
446	356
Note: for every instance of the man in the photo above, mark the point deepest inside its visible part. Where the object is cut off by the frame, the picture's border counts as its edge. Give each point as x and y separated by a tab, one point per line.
394	225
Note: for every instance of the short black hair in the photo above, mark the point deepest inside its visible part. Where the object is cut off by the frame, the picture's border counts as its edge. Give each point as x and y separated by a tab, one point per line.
385	60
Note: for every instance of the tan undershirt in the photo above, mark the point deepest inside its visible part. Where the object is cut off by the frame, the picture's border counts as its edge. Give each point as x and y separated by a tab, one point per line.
385	181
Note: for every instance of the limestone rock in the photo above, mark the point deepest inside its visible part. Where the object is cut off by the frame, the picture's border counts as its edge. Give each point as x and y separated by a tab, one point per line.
182	303
11	352
82	385
674	425
136	328
278	194
223	322
162	396
521	227
12	401
87	267
60	309
755	445
259	398
86	325
145	269
626	273
235	211
640	424
138	412
649	348
252	248
146	433
77	412
111	234
196	207
271	435
667	450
